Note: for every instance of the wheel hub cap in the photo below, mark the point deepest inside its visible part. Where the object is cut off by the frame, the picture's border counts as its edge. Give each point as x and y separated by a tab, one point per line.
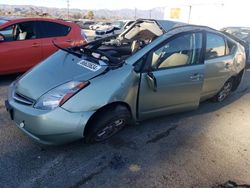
110	129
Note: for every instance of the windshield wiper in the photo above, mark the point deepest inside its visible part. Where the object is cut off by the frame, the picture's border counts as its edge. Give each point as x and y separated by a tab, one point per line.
68	50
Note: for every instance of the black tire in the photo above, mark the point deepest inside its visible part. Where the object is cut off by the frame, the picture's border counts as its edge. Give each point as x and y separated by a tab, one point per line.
224	92
107	123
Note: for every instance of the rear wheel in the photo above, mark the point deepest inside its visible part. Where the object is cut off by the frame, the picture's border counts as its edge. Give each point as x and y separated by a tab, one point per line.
224	92
107	123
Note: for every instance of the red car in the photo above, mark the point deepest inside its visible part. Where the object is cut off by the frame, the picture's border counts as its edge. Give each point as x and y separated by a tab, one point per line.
24	42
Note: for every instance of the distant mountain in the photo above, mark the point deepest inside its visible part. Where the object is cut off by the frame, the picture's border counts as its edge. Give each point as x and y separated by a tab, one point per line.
28	10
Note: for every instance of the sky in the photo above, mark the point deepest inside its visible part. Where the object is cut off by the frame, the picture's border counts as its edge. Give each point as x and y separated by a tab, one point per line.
106	4
213	13
90	4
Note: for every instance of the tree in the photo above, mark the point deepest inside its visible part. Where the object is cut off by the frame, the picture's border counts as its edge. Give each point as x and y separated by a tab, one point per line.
77	16
90	15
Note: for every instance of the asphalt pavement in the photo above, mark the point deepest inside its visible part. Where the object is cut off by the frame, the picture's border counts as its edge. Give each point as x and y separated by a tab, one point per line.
208	147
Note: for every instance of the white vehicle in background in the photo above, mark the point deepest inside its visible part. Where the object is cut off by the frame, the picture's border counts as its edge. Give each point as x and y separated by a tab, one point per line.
98	25
84	24
116	27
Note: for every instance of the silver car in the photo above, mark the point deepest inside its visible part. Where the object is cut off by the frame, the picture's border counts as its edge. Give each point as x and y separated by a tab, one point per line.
152	69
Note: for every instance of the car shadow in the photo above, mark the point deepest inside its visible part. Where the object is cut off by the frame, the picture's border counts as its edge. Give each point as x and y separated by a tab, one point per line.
7	79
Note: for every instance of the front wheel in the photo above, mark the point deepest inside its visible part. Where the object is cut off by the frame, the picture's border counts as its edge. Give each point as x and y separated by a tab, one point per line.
106	124
224	92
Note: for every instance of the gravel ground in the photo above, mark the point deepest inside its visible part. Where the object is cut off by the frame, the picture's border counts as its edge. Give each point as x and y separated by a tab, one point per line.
208	147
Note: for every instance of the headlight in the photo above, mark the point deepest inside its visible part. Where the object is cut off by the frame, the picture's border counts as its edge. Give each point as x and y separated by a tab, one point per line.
59	95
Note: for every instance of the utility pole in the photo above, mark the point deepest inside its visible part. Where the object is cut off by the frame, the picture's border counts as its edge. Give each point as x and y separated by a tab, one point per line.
68	8
190	11
135	13
150	13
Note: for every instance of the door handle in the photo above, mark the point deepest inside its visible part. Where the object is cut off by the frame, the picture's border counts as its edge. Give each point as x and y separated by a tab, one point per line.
35	45
196	77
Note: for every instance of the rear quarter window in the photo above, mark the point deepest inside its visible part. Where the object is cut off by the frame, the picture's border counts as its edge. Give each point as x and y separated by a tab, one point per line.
52	29
231	47
215	46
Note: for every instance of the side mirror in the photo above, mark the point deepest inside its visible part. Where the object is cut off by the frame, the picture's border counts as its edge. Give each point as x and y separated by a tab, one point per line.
152	83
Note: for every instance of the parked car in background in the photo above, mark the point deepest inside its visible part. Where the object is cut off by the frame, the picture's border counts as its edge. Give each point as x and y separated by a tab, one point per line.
24	42
85	24
98	25
122	24
153	68
242	35
115	28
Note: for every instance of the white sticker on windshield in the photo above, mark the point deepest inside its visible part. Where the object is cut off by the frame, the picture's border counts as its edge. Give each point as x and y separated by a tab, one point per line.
89	65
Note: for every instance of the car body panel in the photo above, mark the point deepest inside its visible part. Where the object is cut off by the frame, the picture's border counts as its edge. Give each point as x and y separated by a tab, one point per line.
124	88
167	25
176	91
219	70
67	126
17	58
65	65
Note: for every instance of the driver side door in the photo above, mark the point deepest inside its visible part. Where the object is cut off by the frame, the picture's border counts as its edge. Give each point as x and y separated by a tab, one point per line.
174	79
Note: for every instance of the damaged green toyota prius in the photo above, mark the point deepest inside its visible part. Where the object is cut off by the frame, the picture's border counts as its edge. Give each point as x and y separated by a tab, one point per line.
153	68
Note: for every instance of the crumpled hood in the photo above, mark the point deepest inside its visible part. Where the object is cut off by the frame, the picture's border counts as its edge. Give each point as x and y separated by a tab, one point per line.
58	69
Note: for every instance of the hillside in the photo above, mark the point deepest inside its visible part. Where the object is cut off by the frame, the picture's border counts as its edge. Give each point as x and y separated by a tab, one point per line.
29	10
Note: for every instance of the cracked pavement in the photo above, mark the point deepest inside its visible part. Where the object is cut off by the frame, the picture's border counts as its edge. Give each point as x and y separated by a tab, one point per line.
207	147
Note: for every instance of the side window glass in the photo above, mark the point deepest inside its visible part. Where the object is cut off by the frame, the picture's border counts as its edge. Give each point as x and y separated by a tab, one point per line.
8	33
25	31
231	47
20	31
215	46
183	50
51	29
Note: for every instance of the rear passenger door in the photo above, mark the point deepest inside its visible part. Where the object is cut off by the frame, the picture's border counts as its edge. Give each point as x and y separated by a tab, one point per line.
51	31
219	57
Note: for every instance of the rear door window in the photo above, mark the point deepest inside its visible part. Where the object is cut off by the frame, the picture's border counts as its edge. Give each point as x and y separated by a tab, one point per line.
215	46
51	29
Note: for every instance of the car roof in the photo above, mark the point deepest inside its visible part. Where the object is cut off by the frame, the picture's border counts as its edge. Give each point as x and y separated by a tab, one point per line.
168	25
247	28
13	19
9	18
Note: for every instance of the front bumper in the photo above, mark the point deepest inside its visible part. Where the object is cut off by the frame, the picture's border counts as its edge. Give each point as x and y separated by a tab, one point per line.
54	127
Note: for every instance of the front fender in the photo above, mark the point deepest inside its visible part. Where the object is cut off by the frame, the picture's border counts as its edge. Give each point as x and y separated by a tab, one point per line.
119	85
